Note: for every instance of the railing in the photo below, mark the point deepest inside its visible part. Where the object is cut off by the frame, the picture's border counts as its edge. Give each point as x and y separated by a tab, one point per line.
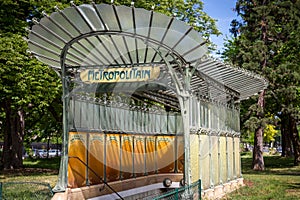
192	191
105	183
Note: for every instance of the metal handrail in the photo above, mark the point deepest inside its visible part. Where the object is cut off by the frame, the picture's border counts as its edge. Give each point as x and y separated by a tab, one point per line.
98	176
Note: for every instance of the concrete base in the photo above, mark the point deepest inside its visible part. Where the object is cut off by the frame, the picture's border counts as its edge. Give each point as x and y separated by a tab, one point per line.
128	187
219	191
144	192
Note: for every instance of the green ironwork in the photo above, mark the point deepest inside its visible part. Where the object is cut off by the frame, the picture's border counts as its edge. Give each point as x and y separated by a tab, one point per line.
179	193
25	190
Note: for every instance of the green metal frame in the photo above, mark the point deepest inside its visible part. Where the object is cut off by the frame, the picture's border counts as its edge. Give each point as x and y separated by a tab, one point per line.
182	91
178	193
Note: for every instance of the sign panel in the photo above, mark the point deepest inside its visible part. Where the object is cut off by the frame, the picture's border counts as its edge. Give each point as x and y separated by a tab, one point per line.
113	75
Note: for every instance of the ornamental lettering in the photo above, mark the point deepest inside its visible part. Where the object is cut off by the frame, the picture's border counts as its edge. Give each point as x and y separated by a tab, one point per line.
112	75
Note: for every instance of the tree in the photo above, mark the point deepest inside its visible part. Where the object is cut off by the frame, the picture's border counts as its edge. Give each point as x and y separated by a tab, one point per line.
27	87
267	44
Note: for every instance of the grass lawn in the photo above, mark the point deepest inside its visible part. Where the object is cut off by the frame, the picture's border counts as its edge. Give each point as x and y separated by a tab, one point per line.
280	180
34	181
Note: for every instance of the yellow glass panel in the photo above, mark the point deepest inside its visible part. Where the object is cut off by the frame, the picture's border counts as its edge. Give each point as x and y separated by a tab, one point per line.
150	155
112	157
127	164
96	157
180	154
139	154
165	154
76	169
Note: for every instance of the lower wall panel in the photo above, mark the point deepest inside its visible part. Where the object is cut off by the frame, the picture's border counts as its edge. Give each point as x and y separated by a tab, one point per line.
113	157
94	157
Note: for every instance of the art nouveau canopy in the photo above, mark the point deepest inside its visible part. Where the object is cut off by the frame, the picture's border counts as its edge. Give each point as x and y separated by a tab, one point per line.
119	36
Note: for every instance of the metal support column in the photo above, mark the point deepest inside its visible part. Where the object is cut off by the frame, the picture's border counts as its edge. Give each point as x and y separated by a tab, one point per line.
62	182
182	88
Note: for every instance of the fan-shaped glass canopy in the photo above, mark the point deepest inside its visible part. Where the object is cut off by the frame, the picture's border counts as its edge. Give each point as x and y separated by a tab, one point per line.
120	36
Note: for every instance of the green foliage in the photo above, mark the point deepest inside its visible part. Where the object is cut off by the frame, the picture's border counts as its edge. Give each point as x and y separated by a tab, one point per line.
248	137
270	133
13	16
267	44
26	83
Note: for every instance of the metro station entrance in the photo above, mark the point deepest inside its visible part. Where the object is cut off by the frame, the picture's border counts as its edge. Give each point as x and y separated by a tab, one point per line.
143	103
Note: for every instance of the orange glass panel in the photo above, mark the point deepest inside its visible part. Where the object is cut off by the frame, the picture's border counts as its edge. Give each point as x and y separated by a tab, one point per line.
96	157
180	154
127	157
165	154
150	155
112	157
139	155
76	169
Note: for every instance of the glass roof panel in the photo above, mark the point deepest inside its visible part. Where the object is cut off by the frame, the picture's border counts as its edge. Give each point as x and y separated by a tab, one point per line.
131	48
76	20
86	54
43	38
112	47
100	45
195	36
125	14
108	16
176	31
142	20
46	61
150	55
94	46
194	55
234	78
159	24
73	58
121	48
90	14
141	49
57	30
46	43
64	24
41	50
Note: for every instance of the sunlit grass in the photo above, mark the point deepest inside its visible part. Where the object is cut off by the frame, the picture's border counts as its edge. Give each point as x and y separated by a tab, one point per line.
280	180
51	163
34	181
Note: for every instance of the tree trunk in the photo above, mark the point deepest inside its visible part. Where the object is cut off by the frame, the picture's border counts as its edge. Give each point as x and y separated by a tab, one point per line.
283	136
258	159
286	139
7	137
294	135
13	138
